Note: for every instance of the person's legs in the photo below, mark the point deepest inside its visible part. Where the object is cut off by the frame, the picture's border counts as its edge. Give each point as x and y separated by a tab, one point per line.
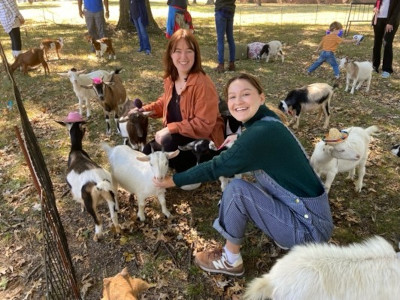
100	23
16	43
221	24
388	50
231	41
170	21
331	59
379	32
91	24
317	63
143	36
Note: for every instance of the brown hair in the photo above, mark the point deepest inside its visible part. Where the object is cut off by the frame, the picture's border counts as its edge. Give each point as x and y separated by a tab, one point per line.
255	83
169	67
335	26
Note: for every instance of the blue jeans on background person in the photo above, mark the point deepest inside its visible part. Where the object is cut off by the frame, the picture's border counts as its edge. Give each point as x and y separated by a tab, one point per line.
144	42
330	58
224	24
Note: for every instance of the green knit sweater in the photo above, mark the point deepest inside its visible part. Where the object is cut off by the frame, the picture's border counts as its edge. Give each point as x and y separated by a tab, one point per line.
264	145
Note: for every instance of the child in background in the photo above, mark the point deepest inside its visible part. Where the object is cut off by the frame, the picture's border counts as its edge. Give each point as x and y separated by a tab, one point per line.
328	46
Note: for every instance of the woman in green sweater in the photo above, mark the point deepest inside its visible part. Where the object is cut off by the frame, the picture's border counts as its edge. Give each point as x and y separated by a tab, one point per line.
288	201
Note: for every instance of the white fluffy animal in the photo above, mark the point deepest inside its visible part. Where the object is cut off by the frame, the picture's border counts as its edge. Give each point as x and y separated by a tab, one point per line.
328	160
358	72
134	171
271	49
367	271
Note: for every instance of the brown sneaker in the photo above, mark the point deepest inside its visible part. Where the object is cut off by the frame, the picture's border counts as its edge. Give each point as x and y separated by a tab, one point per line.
232	66
215	261
220	68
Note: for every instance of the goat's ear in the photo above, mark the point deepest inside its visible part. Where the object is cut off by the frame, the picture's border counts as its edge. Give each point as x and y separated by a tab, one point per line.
147	113
81	71
63	74
88	87
173	154
61	123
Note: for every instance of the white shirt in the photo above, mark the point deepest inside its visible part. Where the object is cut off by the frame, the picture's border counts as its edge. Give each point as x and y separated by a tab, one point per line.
384	9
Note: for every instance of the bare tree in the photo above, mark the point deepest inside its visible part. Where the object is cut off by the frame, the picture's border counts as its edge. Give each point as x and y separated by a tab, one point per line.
125	23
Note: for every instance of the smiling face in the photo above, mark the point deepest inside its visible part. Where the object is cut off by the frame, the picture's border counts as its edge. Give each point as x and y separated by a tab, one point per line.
183	58
243	100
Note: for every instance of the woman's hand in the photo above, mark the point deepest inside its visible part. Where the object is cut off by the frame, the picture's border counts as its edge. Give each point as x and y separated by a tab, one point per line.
389	28
21	19
165	183
230	139
161	134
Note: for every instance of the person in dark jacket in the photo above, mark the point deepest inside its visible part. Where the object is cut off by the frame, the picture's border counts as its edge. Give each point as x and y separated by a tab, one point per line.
287	202
385	23
139	18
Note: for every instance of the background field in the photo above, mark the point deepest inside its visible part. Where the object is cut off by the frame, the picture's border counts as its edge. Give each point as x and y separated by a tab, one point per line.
376	210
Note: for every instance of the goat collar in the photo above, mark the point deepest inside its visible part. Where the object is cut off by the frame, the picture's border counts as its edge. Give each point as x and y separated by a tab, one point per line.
335	136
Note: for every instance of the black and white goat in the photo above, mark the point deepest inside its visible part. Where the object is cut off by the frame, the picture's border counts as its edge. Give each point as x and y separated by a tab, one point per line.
133	126
396	150
271	49
310	97
111	94
89	182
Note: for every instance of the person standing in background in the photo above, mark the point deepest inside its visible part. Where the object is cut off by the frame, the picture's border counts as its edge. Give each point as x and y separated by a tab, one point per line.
139	18
385	23
224	13
94	16
177	7
11	20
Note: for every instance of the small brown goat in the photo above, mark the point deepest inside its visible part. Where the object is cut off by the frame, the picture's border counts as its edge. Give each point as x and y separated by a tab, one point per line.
52	44
101	46
30	58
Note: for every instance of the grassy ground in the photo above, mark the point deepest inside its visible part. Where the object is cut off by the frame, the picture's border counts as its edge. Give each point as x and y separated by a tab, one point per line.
376	210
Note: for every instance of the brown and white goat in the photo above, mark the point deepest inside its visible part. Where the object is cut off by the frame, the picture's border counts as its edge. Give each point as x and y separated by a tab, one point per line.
89	182
52	44
111	94
101	46
358	72
30	58
133	126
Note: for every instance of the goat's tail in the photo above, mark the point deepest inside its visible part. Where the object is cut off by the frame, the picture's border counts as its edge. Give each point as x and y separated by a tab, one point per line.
259	288
372	130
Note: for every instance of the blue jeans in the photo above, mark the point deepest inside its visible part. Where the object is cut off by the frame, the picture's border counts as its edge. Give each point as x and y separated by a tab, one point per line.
330	58
144	42
224	24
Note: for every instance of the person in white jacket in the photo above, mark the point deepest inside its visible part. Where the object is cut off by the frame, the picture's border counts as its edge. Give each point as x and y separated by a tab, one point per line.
11	20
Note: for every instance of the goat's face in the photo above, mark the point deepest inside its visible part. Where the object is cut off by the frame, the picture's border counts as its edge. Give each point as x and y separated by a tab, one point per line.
343	62
159	162
343	151
283	107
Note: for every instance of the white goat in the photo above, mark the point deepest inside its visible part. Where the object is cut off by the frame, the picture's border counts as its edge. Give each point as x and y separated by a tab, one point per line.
310	97
134	172
271	49
346	156
89	182
358	72
368	271
78	78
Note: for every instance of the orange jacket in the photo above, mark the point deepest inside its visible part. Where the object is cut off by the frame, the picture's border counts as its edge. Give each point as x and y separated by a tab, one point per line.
199	109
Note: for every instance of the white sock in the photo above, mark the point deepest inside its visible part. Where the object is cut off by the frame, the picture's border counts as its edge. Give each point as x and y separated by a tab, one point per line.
15	53
232	257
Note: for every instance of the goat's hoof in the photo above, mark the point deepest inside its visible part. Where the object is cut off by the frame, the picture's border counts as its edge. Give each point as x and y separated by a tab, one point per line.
141	219
117	229
97	237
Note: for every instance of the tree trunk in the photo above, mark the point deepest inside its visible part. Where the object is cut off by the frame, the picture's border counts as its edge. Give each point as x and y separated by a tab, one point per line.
124	22
210	2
